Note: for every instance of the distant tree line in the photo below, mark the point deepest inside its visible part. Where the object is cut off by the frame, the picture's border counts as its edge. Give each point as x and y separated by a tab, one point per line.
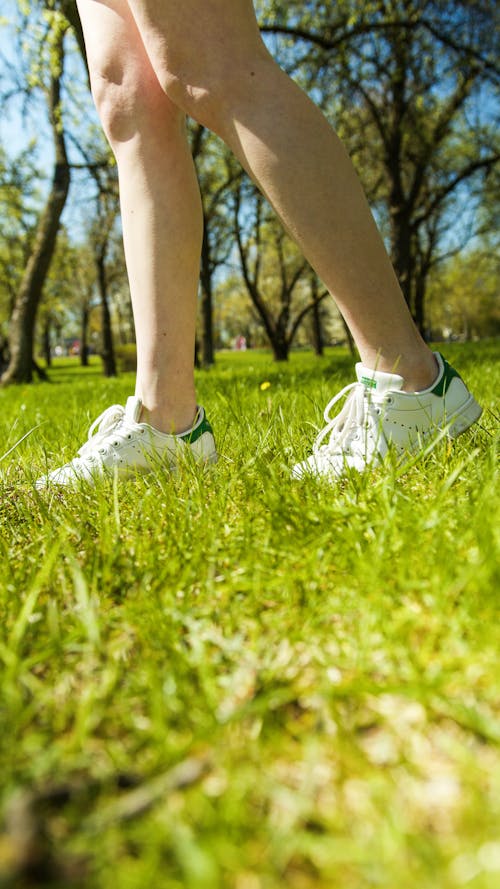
411	87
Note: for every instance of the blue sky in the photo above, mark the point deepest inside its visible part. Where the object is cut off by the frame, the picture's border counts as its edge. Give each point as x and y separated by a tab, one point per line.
24	123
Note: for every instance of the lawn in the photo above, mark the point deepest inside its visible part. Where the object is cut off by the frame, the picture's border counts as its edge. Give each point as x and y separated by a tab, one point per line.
230	679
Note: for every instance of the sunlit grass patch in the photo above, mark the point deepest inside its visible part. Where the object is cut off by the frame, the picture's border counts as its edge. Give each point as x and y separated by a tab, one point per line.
230	679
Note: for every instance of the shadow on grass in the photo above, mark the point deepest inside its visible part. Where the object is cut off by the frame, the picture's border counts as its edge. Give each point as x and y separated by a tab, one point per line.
302	366
66	369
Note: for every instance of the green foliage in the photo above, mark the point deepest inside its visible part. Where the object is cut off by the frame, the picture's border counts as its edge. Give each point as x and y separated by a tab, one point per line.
227	680
126	357
18	211
464	296
411	89
42	32
409	86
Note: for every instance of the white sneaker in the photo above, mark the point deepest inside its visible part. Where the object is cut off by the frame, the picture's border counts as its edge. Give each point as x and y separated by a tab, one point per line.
377	416
118	442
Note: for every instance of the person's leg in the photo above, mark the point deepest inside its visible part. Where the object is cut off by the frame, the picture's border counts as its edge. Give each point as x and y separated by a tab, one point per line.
161	209
211	61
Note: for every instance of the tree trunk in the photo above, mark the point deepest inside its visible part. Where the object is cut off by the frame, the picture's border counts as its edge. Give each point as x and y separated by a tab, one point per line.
419	305
401	253
40	372
107	349
22	325
317	328
280	347
207	334
208	354
46	342
349	337
4	353
84	335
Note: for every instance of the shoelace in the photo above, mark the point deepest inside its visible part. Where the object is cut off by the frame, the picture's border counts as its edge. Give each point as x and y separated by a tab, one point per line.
101	427
343	428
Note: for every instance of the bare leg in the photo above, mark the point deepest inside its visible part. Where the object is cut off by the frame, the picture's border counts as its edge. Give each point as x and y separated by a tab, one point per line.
211	61
161	210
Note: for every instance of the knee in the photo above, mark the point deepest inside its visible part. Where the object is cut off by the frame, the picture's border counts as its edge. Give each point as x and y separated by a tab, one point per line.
210	89
128	100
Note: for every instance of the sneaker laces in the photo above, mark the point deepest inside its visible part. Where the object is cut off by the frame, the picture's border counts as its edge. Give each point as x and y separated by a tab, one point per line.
100	429
358	413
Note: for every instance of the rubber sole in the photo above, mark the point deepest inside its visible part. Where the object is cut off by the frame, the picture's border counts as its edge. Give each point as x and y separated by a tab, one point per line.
466	417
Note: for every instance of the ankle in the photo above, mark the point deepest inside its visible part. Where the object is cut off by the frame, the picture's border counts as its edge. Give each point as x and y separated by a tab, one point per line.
168	419
419	370
421	374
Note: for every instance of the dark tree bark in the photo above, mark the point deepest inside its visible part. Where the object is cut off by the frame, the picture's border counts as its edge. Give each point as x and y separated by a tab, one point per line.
206	356
217	242
22	326
317	327
206	275
84	337
70	10
41	374
349	337
107	348
280	326
46	342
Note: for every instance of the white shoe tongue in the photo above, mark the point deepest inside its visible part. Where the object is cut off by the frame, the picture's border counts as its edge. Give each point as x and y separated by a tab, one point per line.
133	408
377	381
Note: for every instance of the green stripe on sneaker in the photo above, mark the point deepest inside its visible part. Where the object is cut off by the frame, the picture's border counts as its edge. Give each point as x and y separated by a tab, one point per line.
449	374
196	433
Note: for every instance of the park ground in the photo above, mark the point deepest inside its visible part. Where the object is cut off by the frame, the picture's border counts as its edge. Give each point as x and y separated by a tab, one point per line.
230	679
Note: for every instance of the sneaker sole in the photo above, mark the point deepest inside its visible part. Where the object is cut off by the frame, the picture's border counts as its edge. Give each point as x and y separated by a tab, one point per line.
468	414
459	422
462	420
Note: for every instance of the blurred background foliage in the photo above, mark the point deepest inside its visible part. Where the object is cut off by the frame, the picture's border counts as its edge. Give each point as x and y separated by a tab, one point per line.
412	89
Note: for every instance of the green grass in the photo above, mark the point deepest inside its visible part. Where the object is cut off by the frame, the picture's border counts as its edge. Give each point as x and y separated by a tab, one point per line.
228	679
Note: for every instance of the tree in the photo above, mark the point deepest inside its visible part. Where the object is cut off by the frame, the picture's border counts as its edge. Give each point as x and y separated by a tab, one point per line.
402	79
70	295
22	325
56	300
274	271
463	296
84	280
217	174
19	209
106	246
